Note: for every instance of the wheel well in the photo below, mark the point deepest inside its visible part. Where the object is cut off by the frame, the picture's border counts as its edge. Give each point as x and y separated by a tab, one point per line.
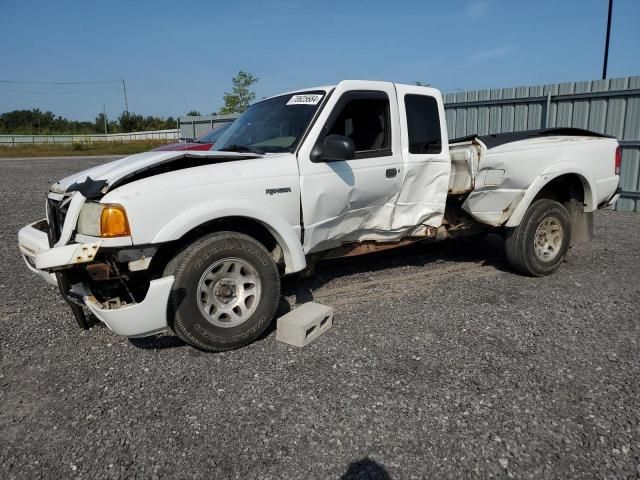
248	226
564	189
573	192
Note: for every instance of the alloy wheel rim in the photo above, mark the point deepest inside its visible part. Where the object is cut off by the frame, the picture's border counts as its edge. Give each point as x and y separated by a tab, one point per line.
548	239
229	292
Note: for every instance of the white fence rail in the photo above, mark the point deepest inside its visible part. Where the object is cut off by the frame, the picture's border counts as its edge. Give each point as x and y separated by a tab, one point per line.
11	140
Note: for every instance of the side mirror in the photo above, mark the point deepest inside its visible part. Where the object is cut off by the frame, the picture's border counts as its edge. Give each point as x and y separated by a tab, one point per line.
337	148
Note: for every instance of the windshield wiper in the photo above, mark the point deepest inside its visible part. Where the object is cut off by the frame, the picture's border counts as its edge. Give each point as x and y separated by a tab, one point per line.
241	148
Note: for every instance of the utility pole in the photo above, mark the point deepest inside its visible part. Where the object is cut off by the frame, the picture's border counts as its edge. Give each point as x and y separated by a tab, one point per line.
126	103
606	44
104	118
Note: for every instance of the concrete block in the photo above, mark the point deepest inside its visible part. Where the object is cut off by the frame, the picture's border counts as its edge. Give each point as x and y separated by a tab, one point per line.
303	325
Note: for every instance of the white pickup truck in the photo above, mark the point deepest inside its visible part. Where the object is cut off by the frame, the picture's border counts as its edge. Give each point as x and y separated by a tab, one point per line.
196	242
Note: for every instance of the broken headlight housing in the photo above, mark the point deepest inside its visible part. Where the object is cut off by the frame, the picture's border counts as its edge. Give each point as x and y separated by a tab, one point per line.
103	220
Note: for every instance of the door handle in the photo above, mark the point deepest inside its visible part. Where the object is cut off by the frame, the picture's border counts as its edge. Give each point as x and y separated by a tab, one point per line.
391	172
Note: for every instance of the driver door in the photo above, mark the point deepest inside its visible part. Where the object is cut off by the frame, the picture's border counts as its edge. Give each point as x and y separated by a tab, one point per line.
352	200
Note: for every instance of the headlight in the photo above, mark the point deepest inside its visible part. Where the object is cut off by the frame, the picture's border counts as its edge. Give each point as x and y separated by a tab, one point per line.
103	220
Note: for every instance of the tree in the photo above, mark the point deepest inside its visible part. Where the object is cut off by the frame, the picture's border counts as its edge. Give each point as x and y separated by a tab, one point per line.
130	122
101	119
241	95
37	122
193	113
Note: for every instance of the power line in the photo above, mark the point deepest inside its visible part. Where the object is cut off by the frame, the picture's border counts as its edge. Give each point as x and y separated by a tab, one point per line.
59	83
97	82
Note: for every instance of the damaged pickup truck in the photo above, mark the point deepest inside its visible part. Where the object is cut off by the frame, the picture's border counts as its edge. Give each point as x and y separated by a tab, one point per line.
197	241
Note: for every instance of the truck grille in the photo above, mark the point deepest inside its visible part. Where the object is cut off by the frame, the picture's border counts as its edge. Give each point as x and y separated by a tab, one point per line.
56	214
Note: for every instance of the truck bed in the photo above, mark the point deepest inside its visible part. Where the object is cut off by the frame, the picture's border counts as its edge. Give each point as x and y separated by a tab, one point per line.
495	171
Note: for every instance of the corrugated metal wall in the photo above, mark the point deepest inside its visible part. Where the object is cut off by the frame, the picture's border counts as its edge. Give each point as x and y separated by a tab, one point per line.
193	127
607	106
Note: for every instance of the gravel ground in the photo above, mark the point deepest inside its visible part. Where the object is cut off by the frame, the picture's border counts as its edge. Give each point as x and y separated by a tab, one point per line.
441	363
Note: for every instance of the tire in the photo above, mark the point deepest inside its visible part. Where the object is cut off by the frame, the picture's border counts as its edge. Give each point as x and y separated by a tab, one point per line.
225	293
540	243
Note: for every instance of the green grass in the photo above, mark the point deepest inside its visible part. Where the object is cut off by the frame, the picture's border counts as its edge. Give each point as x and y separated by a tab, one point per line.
80	149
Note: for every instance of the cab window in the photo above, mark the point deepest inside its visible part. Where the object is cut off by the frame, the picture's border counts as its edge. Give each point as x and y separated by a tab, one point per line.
364	118
423	124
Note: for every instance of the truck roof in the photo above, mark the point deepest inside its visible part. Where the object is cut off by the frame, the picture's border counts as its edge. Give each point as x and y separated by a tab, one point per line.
328	88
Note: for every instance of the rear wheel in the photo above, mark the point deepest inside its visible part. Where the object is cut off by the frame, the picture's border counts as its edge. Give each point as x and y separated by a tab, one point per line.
225	292
540	243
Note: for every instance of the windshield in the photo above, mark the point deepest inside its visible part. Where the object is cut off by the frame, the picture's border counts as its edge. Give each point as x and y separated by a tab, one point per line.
213	135
273	125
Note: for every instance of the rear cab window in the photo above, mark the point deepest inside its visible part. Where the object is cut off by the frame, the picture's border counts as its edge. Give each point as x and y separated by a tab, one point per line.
423	124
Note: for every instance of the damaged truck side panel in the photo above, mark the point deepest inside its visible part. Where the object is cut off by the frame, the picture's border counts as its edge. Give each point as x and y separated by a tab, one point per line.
504	189
196	241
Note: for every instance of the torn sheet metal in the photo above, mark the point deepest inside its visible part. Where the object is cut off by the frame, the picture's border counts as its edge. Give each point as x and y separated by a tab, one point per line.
422	196
465	160
72	254
513	173
356	206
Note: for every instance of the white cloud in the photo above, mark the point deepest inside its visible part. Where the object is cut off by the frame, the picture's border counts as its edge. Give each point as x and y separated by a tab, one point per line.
496	52
477	9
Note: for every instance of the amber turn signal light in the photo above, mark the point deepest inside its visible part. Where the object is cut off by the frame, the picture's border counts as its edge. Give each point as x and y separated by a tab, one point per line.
114	222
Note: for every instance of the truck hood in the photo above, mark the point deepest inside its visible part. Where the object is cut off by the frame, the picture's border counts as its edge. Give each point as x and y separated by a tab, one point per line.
97	181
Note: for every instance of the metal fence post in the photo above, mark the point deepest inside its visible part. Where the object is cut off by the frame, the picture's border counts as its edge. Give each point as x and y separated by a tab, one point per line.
547	110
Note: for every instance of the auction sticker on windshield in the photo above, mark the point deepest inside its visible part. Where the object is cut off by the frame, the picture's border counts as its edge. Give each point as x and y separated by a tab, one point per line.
311	99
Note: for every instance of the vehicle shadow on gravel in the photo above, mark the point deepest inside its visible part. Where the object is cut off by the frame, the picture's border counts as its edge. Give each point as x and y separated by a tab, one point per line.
167	340
488	251
153	342
157	342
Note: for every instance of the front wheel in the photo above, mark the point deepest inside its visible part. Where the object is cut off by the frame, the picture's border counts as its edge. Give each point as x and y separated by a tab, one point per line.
225	293
540	243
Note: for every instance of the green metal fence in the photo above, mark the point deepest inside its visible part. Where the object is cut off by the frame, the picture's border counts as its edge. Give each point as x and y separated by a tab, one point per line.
607	106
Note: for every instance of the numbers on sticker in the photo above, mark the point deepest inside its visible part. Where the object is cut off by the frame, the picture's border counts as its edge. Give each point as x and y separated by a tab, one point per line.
309	99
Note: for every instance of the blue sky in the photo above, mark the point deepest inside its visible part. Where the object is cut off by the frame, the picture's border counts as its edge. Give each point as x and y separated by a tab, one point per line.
178	56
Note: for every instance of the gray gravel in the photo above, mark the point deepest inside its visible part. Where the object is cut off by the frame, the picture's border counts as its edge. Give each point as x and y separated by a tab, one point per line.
441	363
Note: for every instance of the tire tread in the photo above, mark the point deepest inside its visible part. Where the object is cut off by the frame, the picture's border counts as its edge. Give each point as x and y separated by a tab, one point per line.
176	267
518	239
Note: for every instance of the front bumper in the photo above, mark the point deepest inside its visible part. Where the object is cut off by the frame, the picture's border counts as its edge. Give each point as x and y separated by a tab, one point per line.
33	241
40	257
132	320
138	319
